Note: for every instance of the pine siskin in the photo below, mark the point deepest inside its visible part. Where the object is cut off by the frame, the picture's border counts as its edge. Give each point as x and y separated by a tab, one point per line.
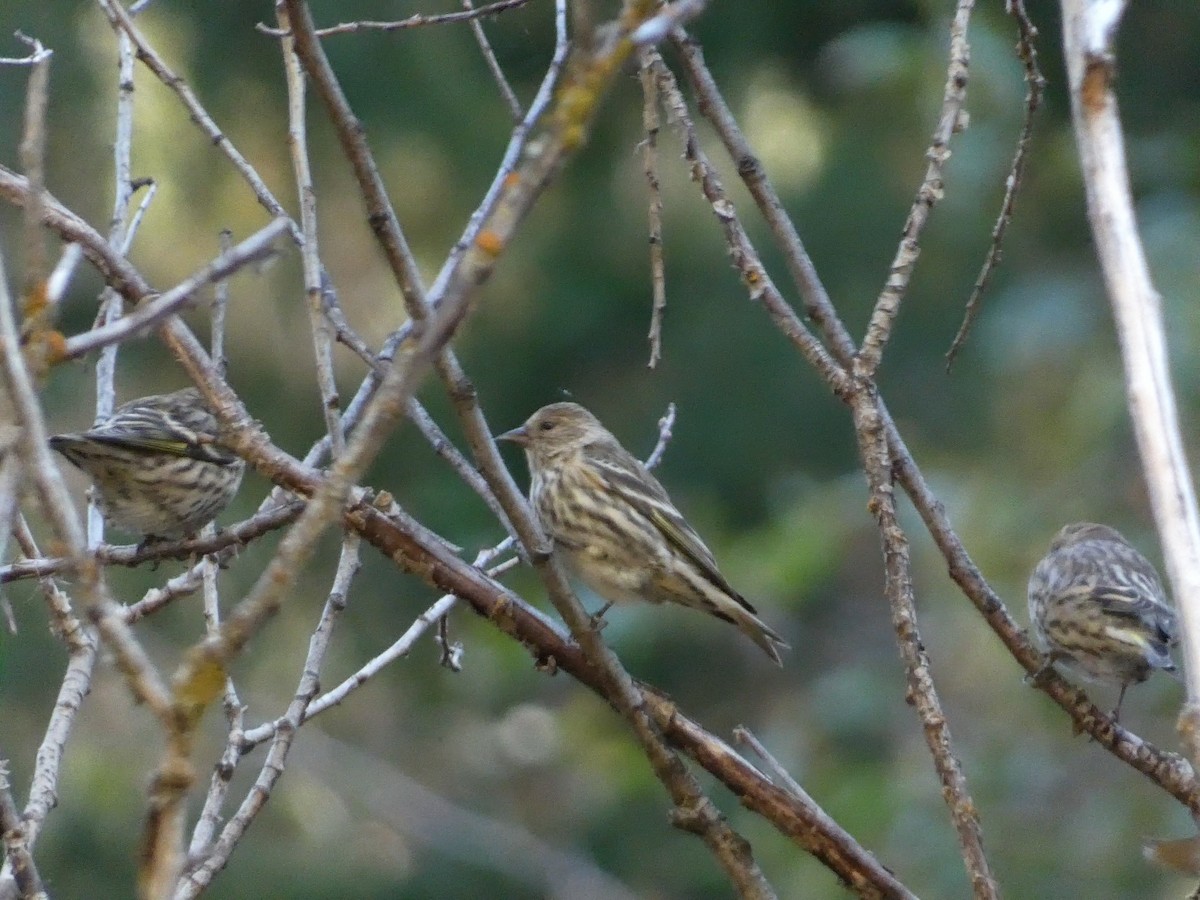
1098	606
615	528
156	465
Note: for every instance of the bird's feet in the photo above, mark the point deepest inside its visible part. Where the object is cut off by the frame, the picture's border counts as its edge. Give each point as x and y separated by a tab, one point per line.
1038	679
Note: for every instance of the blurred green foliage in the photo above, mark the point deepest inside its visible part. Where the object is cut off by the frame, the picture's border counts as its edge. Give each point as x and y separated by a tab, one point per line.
1028	432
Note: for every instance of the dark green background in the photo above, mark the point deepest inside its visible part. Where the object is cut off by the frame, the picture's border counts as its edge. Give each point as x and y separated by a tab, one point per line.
1029	432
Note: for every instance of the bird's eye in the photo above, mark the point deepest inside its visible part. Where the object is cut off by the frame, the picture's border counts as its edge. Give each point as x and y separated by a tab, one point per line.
547	425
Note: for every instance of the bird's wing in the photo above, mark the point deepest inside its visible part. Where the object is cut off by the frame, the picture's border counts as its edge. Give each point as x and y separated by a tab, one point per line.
162	442
641	490
176	424
1126	602
159	427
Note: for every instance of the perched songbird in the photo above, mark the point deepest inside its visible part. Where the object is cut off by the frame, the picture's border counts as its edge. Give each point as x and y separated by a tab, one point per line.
156	465
1098	606
615	528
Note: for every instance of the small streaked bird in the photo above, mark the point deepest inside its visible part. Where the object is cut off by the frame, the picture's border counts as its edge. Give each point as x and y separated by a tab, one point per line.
1098	607
156	464
615	528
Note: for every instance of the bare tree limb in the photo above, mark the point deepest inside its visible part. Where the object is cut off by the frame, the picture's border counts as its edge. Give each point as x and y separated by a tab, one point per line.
869	428
395	538
1168	770
338	499
922	694
271	461
1089	31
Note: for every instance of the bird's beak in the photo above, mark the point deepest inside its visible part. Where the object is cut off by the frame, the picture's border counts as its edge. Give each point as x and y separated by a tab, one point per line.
519	435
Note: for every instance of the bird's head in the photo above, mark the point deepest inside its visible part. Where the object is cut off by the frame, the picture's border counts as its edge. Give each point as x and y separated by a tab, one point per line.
555	430
1078	532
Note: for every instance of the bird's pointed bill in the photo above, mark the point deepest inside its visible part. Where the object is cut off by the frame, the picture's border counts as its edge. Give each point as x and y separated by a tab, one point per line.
518	435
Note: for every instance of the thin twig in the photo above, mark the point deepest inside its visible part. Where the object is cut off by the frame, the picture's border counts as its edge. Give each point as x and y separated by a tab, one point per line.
32	152
414	21
712	105
121	235
658	279
417	414
281	742
11	475
758	283
122	20
951	120
62	273
674	15
1035	84
219	308
489	56
259	245
206	823
445	448
665	424
317	283
63	622
400	648
512	153
209	567
37	53
82	646
746	737
224	543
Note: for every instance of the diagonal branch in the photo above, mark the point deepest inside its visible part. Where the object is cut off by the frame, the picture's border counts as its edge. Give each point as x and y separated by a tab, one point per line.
401	543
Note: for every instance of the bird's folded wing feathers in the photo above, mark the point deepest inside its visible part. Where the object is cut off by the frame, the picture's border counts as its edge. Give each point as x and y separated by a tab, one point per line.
1129	604
646	495
169	445
1126	601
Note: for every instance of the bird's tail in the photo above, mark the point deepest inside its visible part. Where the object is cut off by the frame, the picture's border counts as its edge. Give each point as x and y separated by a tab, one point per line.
759	632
